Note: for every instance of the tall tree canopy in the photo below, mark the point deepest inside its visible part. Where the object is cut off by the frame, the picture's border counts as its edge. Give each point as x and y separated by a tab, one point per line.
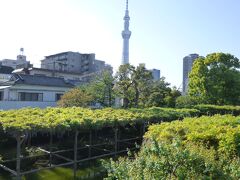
133	84
101	89
161	95
216	79
137	88
123	86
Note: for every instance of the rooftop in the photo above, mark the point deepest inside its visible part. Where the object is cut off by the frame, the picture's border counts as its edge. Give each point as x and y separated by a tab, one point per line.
37	80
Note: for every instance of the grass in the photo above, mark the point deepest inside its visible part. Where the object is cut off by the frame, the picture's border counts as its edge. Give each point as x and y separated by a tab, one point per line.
60	173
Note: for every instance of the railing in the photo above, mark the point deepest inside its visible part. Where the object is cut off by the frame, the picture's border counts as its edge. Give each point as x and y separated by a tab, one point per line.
118	141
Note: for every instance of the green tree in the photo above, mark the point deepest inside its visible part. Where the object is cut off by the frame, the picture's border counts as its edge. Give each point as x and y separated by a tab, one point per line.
198	79
133	85
216	79
159	91
142	80
123	86
186	101
101	89
170	100
75	97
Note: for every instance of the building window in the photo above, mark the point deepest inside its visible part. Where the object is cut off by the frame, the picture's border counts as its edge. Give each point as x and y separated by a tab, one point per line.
58	96
1	96
23	96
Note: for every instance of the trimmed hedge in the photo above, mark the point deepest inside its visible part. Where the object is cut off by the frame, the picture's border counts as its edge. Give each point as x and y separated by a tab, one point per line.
206	109
195	148
219	132
58	119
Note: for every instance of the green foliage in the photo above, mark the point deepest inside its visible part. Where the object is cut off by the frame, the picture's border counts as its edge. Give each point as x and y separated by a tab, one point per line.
33	151
172	97
162	95
186	101
60	119
163	161
75	97
206	109
101	89
133	85
123	86
159	91
216	79
195	148
142	80
218	132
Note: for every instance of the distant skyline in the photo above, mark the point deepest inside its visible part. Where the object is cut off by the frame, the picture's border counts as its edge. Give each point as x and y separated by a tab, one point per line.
163	32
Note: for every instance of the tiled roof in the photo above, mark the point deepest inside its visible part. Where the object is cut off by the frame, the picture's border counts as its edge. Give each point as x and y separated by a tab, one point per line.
40	80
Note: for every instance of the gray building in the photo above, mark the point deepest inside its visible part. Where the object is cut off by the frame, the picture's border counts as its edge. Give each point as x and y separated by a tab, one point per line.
20	62
155	74
74	62
187	67
5	73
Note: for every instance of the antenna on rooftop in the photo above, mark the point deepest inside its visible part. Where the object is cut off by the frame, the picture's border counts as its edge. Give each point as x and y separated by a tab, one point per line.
21	51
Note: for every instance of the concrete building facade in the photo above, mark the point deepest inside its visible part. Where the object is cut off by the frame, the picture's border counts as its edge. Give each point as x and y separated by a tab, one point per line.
20	62
156	74
187	67
73	62
5	73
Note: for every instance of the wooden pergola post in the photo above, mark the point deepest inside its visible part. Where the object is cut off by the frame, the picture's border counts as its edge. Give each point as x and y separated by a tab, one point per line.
90	144
115	140
18	165
50	148
75	155
18	161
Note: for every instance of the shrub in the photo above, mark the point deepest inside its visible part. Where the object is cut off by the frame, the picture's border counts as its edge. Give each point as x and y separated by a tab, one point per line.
158	160
75	97
195	148
186	101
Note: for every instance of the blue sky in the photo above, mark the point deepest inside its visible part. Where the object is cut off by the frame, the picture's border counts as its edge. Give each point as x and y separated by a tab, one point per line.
163	31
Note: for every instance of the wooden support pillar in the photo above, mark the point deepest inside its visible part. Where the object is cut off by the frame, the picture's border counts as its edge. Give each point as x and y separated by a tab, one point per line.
115	140
75	155
90	144
29	139
18	165
50	148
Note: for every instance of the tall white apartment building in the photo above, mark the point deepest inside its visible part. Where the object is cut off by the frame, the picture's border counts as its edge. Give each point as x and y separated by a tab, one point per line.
187	67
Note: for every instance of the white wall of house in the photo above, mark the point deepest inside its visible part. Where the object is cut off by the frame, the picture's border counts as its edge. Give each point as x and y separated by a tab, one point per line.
11	96
49	93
